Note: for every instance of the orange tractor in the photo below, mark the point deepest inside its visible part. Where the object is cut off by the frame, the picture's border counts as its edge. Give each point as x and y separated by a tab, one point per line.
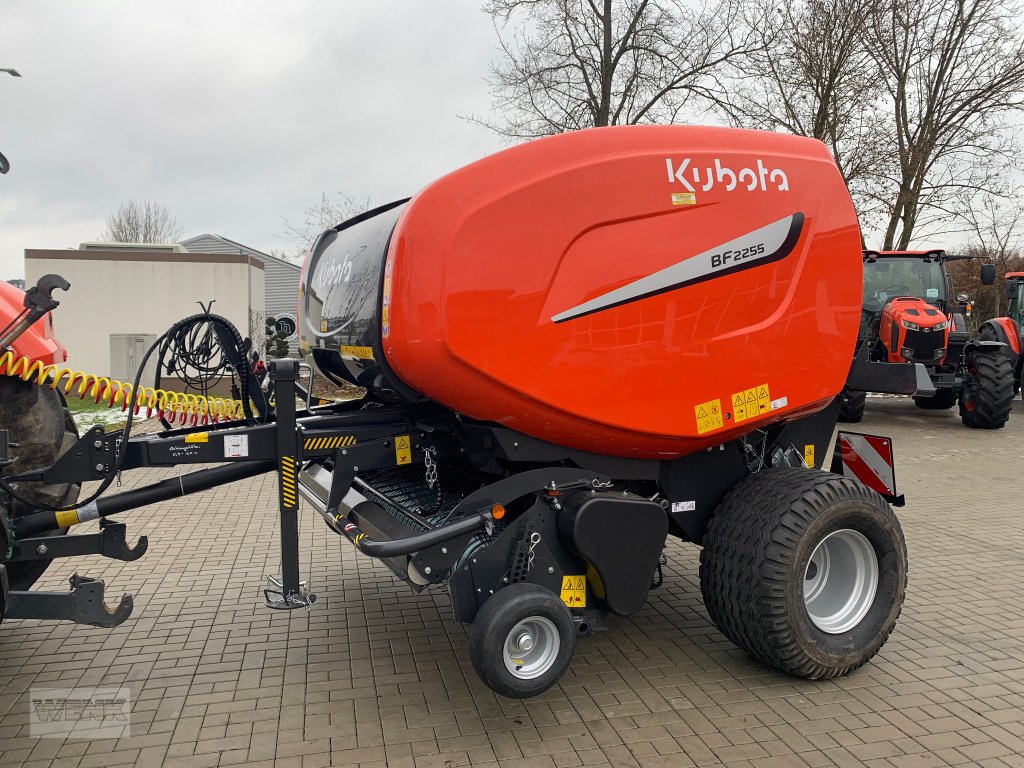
570	350
1010	329
910	320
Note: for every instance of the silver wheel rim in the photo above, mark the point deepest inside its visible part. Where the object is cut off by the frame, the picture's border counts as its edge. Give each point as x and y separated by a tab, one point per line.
840	581
531	648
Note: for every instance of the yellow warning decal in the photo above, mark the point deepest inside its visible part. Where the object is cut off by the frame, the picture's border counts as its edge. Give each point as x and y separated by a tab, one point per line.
574	591
318	443
750	403
403	450
809	455
67	518
684	198
709	416
198	437
288	489
360	353
386	299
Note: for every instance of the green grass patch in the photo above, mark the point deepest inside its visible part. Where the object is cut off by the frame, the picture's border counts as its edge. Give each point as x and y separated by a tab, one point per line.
87	414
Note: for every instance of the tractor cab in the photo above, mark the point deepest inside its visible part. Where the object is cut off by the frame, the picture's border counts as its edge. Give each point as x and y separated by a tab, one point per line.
888	275
905	305
1015	297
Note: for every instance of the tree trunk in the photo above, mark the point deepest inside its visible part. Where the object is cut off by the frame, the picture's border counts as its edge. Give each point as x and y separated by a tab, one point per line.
604	108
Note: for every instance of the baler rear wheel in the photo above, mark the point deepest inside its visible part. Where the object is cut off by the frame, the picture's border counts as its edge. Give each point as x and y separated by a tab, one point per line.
37	419
987	398
851	405
522	640
942	400
804	570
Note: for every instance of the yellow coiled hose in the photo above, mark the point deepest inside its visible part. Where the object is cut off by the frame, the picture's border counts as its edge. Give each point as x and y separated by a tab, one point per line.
177	407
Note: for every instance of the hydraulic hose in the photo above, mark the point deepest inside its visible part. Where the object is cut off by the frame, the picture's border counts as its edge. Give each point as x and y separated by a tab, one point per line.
172	488
409	544
183	408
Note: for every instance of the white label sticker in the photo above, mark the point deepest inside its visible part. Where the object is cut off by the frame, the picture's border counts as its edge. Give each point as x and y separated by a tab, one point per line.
684	506
782	402
931	293
236	446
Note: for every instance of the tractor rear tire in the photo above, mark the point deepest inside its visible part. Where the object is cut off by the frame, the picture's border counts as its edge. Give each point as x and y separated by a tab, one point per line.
37	419
987	398
804	570
851	405
514	616
942	400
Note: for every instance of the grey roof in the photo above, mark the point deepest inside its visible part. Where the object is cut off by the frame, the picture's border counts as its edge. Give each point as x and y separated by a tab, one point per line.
281	278
210	243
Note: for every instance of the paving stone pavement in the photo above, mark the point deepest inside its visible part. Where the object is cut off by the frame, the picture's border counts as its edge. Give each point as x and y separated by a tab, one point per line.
376	676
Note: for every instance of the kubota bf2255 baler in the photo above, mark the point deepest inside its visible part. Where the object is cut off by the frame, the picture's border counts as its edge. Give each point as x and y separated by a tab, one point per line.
571	350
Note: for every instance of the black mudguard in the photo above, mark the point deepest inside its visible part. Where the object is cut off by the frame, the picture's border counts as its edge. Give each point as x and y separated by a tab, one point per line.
621	537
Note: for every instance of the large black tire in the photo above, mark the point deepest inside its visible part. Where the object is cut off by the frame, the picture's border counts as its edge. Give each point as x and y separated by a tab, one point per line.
942	400
37	419
755	565
987	396
492	640
988	333
851	405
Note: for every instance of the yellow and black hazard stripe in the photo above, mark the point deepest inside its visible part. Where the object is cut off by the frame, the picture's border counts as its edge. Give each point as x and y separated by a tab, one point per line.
324	443
288	489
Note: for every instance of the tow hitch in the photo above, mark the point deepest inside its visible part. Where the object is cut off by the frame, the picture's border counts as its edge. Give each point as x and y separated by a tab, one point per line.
83	604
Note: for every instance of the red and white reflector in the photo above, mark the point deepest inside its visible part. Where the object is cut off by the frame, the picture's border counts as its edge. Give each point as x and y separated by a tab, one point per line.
869	458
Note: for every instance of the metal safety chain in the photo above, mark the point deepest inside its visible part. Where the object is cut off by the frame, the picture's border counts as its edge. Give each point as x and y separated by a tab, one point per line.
432	480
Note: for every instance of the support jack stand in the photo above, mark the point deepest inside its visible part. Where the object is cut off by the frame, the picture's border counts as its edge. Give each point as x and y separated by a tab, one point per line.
277	599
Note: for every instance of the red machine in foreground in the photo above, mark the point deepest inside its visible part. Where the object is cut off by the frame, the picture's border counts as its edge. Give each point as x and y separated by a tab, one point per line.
570	350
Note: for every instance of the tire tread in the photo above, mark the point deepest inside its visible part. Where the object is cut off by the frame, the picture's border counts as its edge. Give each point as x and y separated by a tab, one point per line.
993	399
748	551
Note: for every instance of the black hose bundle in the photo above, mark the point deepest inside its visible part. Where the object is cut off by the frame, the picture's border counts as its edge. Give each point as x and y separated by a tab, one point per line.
194	350
205	360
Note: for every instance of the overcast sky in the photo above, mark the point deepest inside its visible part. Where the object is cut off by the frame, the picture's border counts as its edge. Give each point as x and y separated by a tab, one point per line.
232	114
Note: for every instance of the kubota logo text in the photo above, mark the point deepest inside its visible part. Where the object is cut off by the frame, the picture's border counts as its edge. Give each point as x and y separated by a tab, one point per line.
704	179
331	273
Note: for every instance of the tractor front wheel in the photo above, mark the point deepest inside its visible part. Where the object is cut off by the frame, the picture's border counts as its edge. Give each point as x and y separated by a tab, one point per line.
804	570
851	405
987	395
942	400
522	640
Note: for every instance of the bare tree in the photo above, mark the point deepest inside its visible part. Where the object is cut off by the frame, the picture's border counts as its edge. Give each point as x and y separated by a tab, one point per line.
996	223
570	64
141	222
325	213
953	70
813	75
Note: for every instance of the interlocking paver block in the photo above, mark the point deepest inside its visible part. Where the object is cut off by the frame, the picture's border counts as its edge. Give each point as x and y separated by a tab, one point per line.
377	676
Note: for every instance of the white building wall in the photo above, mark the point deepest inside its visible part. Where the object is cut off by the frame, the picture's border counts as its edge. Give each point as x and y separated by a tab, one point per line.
147	295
